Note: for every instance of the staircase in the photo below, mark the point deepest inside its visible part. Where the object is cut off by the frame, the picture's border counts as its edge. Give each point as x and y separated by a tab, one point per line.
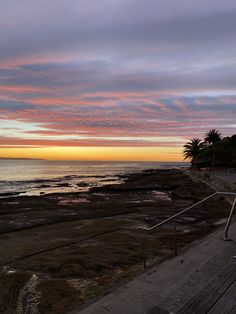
199	280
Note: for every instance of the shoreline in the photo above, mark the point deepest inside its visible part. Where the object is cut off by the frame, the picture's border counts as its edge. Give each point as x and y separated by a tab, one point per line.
84	243
35	178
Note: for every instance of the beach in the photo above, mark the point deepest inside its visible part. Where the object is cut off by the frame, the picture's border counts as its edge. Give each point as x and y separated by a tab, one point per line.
82	244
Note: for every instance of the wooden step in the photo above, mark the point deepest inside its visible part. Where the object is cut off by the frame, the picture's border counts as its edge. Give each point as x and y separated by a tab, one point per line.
199	280
200	291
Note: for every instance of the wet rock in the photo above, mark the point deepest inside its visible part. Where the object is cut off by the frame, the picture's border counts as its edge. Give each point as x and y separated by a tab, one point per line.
9	194
82	184
44	186
63	184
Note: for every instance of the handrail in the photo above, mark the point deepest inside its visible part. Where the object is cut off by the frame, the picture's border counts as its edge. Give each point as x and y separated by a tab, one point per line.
194	205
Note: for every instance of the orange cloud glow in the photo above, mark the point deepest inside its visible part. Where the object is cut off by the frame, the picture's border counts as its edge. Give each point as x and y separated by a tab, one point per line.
96	153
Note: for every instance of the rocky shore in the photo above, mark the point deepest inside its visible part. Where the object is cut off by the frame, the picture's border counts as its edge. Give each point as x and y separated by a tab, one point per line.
62	250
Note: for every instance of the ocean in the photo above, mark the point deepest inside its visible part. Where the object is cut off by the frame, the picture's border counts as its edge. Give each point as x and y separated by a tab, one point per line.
36	177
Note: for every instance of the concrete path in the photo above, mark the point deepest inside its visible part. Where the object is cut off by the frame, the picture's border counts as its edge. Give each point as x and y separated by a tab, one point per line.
200	280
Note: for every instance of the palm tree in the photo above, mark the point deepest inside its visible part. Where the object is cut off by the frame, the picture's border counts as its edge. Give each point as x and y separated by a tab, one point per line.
212	137
192	149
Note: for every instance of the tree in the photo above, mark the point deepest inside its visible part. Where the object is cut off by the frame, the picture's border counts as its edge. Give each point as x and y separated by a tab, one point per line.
192	149
212	137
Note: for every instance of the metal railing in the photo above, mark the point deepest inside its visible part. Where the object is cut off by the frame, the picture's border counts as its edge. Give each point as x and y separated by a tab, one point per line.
187	209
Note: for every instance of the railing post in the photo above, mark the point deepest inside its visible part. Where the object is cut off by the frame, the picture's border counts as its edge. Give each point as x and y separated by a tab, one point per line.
229	219
182	212
175	239
143	254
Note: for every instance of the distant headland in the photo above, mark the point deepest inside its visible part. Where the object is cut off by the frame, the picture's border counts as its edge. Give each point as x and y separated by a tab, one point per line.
15	158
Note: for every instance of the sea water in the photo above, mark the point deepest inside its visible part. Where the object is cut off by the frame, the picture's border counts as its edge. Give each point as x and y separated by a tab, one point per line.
35	177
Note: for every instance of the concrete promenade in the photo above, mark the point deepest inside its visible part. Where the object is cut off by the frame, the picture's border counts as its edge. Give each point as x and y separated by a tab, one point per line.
200	280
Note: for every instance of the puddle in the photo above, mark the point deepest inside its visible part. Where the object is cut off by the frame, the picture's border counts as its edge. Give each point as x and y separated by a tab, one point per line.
162	196
78	227
70	213
136	202
220	222
72	202
90	243
11	203
189	219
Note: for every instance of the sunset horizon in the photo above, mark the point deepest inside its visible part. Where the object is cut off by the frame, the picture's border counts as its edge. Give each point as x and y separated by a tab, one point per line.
87	154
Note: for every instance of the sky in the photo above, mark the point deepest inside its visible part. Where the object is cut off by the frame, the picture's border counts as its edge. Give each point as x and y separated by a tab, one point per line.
114	79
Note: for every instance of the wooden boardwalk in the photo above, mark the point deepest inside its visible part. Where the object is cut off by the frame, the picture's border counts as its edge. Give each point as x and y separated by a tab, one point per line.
201	280
210	289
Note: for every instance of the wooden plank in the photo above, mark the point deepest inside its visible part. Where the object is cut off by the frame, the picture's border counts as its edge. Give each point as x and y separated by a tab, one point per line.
227	303
157	310
207	297
198	288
